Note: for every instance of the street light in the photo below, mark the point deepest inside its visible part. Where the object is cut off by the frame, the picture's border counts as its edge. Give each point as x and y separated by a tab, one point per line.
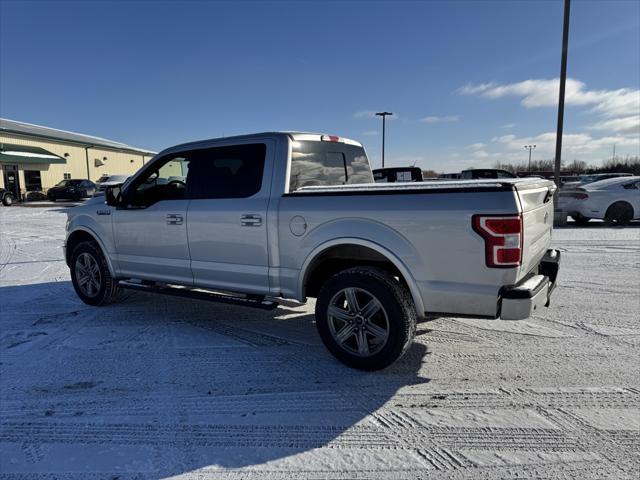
530	147
384	117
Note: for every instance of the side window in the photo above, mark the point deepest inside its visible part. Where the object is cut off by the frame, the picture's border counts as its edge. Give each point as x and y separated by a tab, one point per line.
165	181
226	172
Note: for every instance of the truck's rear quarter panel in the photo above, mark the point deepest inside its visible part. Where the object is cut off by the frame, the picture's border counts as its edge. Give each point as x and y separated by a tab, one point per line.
429	232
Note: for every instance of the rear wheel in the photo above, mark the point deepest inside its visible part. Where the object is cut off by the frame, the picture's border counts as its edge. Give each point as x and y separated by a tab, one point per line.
619	213
580	219
365	318
7	201
90	275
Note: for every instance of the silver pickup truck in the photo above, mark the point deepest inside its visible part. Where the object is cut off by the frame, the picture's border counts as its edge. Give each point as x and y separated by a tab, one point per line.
250	219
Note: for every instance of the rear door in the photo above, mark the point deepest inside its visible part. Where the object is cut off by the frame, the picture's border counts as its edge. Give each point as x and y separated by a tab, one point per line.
229	191
536	201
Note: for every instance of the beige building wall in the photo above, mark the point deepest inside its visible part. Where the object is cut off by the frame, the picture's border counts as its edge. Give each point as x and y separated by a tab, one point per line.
120	163
113	163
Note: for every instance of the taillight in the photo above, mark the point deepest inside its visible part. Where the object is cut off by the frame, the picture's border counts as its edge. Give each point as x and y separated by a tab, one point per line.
580	195
502	239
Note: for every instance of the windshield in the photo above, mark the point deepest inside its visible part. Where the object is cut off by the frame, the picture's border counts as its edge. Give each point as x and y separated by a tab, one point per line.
327	164
68	183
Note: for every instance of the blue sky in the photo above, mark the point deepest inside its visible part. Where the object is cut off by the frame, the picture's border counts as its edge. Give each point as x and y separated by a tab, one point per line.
471	82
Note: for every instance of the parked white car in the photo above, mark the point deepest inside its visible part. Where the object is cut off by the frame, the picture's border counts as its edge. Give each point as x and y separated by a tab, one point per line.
109	181
595	177
616	200
248	219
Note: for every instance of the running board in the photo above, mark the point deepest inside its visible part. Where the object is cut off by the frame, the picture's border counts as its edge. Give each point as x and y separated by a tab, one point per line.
187	292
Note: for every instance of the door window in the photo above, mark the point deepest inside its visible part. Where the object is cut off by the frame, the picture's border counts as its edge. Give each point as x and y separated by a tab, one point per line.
221	172
164	181
226	172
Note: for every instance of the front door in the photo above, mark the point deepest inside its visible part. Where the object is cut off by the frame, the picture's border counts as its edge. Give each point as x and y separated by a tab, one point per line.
229	189
150	230
12	180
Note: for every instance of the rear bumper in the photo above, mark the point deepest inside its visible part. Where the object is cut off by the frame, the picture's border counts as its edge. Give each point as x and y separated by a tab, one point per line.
520	301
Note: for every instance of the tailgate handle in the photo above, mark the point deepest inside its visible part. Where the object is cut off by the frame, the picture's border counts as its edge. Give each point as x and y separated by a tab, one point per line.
549	195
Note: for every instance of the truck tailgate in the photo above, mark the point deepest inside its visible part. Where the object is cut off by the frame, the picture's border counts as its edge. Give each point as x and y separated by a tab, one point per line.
536	201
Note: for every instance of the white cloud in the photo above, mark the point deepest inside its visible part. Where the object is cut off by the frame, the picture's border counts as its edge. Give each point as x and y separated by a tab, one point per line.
443	119
544	93
479	154
509	125
581	145
365	114
370	133
624	125
476	146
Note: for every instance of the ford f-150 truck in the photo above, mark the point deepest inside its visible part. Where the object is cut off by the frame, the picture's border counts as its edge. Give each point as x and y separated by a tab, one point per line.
254	218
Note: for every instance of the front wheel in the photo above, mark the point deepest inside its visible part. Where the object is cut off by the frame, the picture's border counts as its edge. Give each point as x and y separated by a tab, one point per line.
365	318
7	201
90	275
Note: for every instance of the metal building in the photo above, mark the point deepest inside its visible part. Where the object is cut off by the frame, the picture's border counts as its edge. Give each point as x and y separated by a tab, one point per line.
35	158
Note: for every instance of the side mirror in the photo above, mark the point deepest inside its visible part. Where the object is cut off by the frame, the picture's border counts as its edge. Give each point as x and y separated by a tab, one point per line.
113	195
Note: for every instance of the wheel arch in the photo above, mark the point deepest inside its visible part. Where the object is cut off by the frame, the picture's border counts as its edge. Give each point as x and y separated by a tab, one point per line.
85	234
625	202
378	255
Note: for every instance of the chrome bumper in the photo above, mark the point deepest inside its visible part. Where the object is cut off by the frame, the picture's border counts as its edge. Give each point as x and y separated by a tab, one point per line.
520	301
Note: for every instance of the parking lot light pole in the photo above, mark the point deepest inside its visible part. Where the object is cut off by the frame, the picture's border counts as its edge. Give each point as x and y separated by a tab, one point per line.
563	81
530	147
384	117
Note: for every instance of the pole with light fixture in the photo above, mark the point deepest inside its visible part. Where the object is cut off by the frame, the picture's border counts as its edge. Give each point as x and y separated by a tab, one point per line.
529	147
384	116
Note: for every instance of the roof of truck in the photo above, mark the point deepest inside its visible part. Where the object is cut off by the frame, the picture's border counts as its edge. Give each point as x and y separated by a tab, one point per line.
294	135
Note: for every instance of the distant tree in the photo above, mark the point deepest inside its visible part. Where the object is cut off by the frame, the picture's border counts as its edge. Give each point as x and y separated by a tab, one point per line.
627	164
429	174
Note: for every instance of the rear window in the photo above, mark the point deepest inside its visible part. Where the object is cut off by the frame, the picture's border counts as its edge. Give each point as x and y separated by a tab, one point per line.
327	164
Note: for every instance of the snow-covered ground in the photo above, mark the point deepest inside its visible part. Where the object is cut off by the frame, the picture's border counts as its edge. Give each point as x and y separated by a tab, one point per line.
158	387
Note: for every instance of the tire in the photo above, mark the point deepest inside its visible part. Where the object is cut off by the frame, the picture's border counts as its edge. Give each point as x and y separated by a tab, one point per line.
618	214
7	201
354	335
102	288
580	220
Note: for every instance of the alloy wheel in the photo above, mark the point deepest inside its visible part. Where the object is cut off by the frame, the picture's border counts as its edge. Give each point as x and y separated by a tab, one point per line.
358	322
88	275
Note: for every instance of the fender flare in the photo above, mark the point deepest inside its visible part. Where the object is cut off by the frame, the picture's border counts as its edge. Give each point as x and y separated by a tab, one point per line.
85	229
413	286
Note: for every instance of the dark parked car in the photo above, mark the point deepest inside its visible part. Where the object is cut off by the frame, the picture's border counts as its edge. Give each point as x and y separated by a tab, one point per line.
485	173
5	197
397	174
72	190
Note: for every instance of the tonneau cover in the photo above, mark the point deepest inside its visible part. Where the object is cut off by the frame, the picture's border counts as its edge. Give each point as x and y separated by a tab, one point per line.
506	183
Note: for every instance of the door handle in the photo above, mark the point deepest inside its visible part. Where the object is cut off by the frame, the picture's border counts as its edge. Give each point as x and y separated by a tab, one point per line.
250	220
174	219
